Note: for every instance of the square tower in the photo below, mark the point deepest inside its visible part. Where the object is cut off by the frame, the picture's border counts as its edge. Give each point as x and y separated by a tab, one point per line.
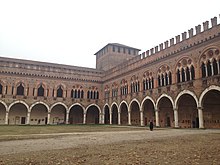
114	54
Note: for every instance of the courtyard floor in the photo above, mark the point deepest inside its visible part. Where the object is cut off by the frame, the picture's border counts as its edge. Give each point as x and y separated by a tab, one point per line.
111	145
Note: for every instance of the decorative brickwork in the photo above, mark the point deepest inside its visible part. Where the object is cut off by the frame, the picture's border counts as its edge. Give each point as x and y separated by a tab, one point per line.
175	84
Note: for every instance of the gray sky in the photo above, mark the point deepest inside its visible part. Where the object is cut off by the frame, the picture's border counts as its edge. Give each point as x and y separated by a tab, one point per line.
71	31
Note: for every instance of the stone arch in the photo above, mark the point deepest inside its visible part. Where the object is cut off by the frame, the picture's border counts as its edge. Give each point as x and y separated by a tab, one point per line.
76	113
4	104
185	92
134	110
121	104
148	110
106	105
58	115
93	105
75	105
212	87
18	82
132	102
20	88
40	102
18	113
106	114
186	105
207	48
162	72
164	95
44	85
123	110
3	111
62	85
94	116
114	113
185	69
147	98
39	114
114	103
208	61
2	87
57	103
210	106
165	105
19	101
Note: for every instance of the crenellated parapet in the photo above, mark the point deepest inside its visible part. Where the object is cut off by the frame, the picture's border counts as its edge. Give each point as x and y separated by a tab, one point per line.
180	43
179	39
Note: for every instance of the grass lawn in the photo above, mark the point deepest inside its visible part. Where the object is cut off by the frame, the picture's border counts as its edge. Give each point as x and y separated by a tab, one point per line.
48	129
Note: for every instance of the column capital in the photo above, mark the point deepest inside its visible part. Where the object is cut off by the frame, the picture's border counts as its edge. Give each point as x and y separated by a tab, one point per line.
175	109
200	108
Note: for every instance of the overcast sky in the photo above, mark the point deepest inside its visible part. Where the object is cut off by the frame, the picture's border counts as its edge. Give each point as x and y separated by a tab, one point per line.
71	31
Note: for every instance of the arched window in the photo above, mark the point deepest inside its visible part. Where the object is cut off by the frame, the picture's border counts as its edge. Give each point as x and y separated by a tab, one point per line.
20	89
178	76
219	65
78	95
162	80
88	94
75	93
158	79
209	68
203	70
91	95
166	79
72	93
215	67
187	74
97	95
82	94
152	82
192	72
94	95
138	86
0	88
40	91
131	87
144	85
183	75
59	92
170	78
210	62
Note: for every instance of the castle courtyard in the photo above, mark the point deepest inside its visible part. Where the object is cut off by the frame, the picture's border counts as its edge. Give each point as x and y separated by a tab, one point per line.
110	145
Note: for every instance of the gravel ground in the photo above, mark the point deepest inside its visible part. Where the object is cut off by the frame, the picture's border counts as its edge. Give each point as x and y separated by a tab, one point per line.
168	146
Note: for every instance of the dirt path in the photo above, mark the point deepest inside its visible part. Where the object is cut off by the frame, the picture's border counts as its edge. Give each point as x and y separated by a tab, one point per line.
71	140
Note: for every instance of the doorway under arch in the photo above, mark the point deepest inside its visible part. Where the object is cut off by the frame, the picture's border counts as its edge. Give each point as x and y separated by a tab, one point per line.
166	113
2	113
38	115
124	114
92	115
187	112
58	114
76	115
17	114
135	113
148	112
211	109
107	115
114	114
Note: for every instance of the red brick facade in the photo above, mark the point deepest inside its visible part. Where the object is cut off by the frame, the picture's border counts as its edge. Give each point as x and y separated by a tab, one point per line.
175	84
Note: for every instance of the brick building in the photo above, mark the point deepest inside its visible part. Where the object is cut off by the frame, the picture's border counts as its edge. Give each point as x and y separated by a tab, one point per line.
175	84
